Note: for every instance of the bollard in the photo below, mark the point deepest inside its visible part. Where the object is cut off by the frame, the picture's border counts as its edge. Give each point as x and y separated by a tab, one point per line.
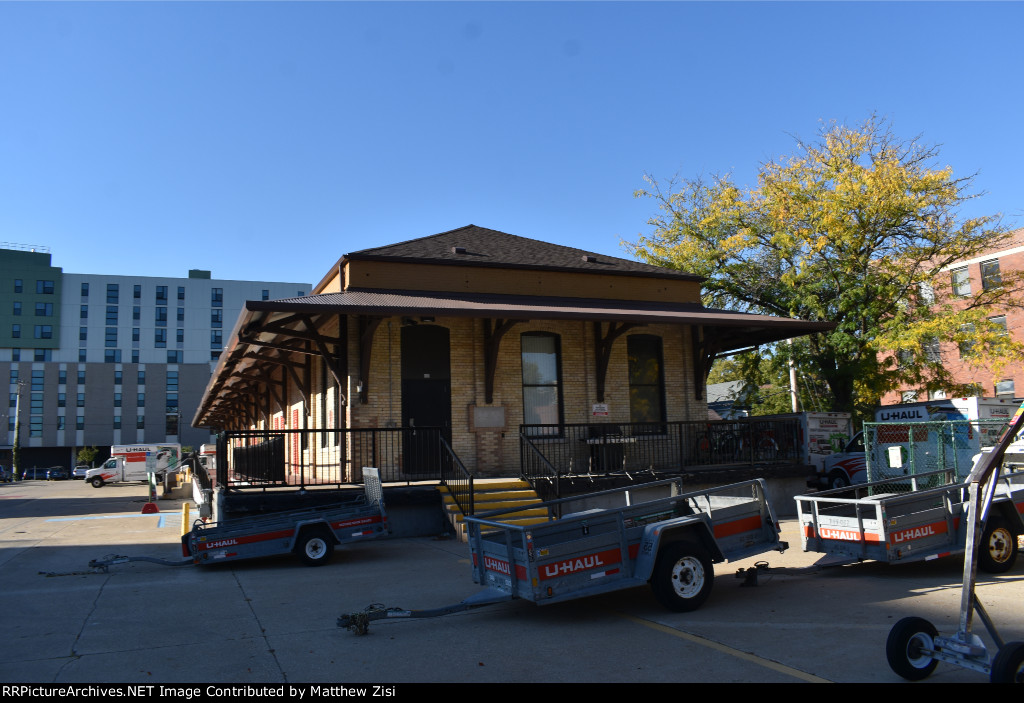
185	508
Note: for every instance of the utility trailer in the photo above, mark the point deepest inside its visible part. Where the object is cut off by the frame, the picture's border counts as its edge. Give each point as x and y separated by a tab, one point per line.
906	521
310	533
610	540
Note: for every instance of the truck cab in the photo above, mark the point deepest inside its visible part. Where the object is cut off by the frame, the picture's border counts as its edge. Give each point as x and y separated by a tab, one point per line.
135	463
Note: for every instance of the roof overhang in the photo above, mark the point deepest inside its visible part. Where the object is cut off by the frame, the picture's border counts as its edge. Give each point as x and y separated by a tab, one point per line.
288	326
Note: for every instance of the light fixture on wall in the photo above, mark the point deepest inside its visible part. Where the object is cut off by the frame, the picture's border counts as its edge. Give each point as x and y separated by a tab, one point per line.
426	319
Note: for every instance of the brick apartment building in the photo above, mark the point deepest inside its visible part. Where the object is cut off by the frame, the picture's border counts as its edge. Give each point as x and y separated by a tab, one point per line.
966	278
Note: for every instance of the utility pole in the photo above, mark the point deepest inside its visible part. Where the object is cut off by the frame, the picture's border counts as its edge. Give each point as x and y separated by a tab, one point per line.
16	446
792	379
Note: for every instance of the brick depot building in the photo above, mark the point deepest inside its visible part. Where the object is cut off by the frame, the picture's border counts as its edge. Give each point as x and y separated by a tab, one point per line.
490	336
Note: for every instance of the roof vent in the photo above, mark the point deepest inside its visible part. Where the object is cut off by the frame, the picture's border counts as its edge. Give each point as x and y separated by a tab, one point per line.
590	259
458	250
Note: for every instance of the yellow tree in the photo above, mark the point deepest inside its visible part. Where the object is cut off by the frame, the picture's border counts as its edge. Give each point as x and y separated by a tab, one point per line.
854	228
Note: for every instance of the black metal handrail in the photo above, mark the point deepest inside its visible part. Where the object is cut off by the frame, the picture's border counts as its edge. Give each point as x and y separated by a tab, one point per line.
534	466
456	478
613	448
324	457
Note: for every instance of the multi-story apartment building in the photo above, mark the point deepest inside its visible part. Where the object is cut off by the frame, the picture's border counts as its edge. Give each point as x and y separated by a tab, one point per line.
97	359
967	278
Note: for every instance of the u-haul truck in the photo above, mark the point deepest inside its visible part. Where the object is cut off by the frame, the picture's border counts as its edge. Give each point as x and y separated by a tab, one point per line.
890	449
135	462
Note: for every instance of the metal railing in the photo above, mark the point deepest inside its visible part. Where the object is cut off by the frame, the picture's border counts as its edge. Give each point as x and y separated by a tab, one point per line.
898	449
302	458
615	448
457	478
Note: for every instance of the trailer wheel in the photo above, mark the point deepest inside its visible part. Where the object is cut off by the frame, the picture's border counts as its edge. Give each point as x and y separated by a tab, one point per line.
315	548
1008	665
904	648
998	548
682	578
96	482
838	479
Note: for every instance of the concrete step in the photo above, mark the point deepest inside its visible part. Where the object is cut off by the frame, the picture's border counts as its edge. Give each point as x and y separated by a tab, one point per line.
496	494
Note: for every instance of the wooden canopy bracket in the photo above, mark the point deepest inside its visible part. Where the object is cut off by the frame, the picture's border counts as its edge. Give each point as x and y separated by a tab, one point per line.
704	352
368	325
603	350
494	330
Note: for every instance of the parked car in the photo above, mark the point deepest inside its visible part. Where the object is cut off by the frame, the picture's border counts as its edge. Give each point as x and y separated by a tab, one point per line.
80	471
54	473
5	475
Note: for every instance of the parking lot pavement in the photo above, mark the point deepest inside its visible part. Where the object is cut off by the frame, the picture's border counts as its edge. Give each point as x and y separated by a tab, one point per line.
274	621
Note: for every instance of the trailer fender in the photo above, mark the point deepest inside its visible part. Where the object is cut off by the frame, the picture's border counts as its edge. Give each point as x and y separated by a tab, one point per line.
303	527
1007	512
656	537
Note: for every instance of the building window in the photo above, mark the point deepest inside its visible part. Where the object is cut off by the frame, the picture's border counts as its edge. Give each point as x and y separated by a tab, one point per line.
81	400
172	425
44	287
216	297
135	356
43	355
112	315
137	292
60	422
136	313
216	318
17	307
161	295
110	339
84	312
932	350
266	294
142	378
181	315
16	331
180	336
14	375
117	422
81	377
62	400
80	422
646	378
83	334
172	402
161	317
999	321
990	275
44	332
62	377
214	355
173	357
118	376
216	339
542	372
113	293
117	400
18	283
82	356
135	334
181	292
160	338
85	290
967	346
16	354
140	422
141	400
1005	387
961	282
112	356
44	309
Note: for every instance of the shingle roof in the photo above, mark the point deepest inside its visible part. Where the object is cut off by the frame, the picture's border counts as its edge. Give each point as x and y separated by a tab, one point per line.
479	246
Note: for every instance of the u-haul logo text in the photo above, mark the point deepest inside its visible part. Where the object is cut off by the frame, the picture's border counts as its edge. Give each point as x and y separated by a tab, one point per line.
492	564
918	532
575	565
832	533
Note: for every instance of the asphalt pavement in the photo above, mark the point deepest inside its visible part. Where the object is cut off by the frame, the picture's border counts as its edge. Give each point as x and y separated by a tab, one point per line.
274	621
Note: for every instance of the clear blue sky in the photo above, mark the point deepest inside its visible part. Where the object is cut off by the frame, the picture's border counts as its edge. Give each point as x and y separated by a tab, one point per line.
264	140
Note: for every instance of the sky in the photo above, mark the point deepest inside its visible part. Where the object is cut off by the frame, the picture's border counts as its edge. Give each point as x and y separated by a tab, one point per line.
264	140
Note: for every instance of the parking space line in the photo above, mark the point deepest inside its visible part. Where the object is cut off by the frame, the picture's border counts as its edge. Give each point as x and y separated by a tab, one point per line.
710	644
160	523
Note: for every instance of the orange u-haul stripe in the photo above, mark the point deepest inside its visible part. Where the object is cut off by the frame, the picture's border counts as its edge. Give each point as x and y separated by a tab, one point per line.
565	567
930	530
747	524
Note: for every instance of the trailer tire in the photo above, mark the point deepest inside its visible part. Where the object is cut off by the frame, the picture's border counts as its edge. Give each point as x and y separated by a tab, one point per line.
903	648
998	549
96	482
315	547
682	577
1008	664
838	479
